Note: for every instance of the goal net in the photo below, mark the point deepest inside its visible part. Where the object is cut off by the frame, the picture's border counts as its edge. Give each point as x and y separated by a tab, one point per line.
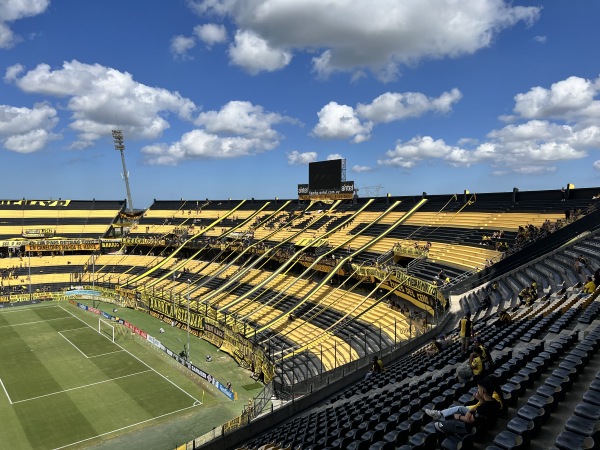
106	329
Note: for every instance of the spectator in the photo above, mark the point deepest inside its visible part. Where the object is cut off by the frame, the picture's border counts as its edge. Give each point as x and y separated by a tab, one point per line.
503	317
590	286
434	348
472	368
376	367
465	331
460	420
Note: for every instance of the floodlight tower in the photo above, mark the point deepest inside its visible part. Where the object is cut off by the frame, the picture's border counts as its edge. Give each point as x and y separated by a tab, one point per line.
120	147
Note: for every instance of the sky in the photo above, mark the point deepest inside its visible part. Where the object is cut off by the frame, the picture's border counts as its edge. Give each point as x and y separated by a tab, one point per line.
234	98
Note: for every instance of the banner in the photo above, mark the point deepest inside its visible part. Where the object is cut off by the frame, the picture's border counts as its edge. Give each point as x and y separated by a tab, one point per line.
54	247
41	296
50	203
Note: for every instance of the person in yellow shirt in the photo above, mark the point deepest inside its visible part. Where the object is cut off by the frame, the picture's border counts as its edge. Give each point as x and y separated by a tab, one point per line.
590	286
472	368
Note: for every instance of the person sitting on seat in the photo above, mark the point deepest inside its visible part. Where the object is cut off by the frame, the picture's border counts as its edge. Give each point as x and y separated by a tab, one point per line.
461	420
589	287
472	368
376	367
504	317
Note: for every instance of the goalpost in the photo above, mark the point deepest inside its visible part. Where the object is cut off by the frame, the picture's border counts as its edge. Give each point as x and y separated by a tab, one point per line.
106	329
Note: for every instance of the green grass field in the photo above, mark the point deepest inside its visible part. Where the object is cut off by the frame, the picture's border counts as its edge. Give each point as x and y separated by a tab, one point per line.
64	385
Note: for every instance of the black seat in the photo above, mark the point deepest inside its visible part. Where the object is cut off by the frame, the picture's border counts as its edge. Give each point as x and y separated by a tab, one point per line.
568	440
509	440
523	428
587	411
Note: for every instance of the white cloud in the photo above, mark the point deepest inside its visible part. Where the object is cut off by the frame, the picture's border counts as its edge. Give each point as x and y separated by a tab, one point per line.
341	122
393	106
353	34
540	39
25	130
597	165
11	10
241	118
211	34
198	144
408	154
238	129
568	131
180	45
345	122
358	168
569	99
254	54
333	156
100	97
295	158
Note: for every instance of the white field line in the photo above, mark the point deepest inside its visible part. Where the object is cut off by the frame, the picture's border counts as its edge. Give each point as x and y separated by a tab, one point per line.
124	428
6	310
102	354
31	323
76	348
79	387
6	392
133	356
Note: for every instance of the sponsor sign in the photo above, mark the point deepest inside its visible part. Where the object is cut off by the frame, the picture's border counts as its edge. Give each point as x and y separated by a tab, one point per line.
344	192
38	232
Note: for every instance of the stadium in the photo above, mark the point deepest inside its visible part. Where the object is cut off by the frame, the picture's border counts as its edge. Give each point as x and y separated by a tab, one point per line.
300	296
349	225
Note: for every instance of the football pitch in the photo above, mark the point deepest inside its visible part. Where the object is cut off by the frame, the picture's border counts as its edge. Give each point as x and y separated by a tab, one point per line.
65	385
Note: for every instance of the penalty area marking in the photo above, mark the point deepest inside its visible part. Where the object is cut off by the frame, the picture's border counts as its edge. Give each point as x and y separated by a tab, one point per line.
31	323
133	356
9	309
79	387
6	392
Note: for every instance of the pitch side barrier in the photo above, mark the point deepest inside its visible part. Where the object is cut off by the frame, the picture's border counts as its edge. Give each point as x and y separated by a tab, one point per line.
152	340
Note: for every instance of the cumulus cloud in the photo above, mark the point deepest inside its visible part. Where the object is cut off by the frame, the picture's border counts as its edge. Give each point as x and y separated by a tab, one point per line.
341	122
597	165
238	129
211	34
26	130
12	10
255	54
180	45
408	154
393	106
99	97
358	168
295	158
333	156
551	125
345	122
540	39
198	144
571	99
351	35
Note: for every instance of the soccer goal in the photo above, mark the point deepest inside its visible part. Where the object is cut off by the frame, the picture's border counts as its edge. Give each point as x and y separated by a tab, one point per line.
106	329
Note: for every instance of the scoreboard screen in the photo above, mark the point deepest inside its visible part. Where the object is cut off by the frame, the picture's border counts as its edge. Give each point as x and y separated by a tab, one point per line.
325	175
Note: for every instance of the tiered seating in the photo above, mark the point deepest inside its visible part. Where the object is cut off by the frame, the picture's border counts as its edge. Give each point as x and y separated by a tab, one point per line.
68	219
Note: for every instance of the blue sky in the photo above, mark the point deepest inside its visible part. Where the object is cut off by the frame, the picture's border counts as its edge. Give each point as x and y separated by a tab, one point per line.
233	98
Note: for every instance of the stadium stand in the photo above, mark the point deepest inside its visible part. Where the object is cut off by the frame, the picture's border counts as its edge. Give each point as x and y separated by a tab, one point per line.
320	288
